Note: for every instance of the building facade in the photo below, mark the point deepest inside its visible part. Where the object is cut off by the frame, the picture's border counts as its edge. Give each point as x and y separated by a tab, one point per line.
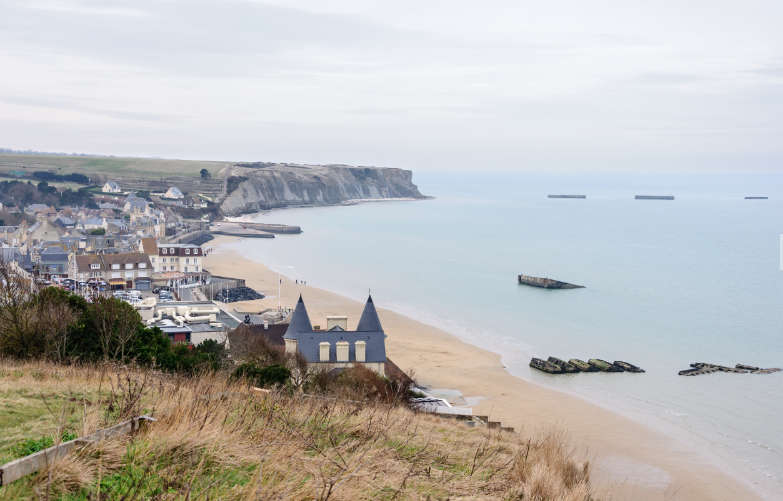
111	187
337	346
120	271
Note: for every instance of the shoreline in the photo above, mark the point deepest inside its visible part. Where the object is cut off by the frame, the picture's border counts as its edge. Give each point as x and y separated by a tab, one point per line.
247	217
632	459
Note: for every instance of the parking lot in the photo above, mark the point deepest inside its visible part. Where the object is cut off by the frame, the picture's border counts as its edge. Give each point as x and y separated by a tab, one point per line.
91	290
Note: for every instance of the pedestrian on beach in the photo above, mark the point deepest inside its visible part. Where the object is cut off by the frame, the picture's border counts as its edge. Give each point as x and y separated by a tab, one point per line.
297	281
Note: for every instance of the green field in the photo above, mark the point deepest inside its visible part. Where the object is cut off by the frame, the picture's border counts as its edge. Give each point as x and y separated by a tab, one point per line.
130	173
73	186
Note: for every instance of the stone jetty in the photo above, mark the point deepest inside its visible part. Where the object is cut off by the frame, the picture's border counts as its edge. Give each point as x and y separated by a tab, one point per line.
654	197
547	283
566	196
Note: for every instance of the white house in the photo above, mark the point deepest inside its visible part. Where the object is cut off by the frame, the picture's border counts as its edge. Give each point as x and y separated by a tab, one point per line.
173	193
111	187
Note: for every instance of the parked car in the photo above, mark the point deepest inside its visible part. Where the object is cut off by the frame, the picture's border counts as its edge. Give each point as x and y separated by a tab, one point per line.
158	289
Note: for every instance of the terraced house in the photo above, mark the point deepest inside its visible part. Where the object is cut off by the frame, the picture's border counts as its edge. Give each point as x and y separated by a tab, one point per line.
120	271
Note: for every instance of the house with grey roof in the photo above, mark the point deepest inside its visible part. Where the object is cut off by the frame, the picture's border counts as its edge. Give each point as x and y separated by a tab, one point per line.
111	187
54	263
65	222
137	206
33	208
173	192
337	346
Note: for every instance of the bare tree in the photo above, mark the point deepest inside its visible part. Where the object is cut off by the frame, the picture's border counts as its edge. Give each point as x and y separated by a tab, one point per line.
20	335
59	319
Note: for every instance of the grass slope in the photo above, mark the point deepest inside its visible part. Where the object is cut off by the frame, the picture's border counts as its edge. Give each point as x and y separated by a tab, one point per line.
215	440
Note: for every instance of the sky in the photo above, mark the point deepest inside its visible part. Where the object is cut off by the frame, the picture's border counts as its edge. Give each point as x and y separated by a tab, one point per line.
514	86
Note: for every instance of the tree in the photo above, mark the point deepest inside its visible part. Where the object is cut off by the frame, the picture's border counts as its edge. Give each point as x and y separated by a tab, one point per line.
205	174
98	231
116	325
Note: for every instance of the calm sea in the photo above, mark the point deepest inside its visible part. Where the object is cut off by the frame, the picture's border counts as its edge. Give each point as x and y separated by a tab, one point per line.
668	283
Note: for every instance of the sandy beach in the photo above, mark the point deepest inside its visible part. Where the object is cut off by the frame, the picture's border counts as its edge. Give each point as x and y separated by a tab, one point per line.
631	459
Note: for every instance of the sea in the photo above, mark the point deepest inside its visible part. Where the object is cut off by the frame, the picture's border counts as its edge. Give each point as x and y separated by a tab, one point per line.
667	283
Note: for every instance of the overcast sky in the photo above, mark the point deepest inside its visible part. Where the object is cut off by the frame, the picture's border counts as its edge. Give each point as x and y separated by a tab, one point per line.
664	85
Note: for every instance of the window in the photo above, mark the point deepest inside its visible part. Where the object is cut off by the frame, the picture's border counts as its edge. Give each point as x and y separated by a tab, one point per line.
195	260
342	351
115	267
142	265
95	266
164	251
186	269
187	261
163	260
128	266
195	269
115	274
153	260
128	274
142	273
324	351
171	251
187	251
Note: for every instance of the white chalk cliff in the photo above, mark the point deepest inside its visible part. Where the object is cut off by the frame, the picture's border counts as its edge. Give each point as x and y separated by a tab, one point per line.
272	186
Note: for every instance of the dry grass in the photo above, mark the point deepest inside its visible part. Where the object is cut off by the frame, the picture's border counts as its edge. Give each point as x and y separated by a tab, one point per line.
214	440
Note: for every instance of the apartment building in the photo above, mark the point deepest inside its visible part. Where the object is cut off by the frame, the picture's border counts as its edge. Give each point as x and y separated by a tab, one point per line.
120	271
184	258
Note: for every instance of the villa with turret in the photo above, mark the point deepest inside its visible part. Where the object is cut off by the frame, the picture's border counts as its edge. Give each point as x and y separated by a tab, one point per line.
336	345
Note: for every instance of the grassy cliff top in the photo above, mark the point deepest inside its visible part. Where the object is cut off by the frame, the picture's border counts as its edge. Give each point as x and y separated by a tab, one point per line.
216	440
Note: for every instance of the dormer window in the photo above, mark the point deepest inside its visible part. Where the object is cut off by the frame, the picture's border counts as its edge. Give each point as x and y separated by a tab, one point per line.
187	251
171	251
165	250
95	266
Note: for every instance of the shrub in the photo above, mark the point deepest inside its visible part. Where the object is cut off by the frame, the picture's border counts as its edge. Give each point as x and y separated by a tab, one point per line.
273	375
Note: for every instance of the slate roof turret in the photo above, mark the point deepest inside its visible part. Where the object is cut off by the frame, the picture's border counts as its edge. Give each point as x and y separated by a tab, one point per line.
369	321
300	321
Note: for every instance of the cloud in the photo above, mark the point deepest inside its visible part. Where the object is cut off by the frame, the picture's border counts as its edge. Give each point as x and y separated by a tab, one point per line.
447	84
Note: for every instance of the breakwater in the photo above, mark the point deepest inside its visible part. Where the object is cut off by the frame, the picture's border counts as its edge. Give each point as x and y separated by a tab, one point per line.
555	365
654	197
547	283
566	196
699	369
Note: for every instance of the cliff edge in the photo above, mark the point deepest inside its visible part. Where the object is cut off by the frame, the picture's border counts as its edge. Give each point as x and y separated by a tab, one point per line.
256	187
